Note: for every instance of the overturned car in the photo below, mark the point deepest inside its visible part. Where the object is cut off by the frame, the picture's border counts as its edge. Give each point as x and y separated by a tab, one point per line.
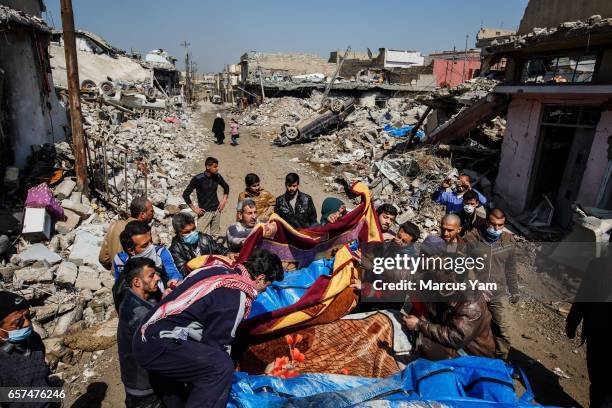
332	113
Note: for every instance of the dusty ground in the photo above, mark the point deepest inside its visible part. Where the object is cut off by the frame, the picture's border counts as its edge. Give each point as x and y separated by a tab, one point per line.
539	343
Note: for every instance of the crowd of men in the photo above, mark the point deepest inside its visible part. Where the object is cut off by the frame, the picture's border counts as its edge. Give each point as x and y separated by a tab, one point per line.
176	327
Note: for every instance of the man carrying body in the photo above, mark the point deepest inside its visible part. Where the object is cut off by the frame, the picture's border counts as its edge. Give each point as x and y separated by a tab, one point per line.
294	206
188	243
387	214
137	299
187	337
22	352
453	200
136	242
497	248
208	209
264	200
457	323
238	232
141	209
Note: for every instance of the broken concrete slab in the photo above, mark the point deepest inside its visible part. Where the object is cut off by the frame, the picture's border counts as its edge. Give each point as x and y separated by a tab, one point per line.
34	253
72	220
65	189
66	273
88	278
82	210
63	323
85	249
33	275
51	310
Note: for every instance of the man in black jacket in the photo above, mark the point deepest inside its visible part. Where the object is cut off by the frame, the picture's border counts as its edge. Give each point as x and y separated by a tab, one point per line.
22	352
188	243
294	206
136	294
209	208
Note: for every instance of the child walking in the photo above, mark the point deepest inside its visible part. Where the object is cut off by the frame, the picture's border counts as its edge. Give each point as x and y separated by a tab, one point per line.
234	132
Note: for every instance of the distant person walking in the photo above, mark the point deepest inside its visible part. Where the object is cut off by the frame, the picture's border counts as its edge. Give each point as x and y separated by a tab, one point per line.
234	126
218	129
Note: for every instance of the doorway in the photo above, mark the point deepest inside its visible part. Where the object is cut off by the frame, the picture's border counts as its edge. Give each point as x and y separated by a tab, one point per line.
566	136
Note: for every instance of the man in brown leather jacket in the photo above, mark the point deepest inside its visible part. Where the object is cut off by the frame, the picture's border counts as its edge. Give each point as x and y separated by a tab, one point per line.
457	323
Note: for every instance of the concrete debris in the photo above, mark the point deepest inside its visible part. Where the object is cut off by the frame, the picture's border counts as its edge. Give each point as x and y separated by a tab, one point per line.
36	253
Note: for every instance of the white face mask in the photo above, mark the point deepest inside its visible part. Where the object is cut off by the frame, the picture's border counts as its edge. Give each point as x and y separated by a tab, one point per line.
469	209
149	252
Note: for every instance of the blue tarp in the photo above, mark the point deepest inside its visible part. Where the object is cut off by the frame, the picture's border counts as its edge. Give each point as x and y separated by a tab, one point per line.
403	131
291	288
460	382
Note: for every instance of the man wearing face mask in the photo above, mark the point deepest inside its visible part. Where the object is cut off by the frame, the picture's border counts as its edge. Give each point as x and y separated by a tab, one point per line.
22	352
136	242
189	243
453	200
187	338
497	247
469	217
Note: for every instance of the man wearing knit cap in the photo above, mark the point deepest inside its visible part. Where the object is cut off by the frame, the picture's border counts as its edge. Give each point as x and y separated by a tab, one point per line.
22	352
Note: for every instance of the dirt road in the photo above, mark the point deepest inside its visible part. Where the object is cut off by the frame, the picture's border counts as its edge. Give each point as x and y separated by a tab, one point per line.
255	155
539	343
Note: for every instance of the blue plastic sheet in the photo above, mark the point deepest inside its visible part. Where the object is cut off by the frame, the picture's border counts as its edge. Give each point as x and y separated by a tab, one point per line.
403	131
460	382
291	288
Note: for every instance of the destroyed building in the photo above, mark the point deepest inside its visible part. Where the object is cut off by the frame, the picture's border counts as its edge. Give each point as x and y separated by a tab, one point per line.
374	80
558	82
30	111
99	61
454	67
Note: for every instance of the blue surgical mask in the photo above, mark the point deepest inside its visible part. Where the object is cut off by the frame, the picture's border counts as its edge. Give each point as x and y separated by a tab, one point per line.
191	238
16	336
494	233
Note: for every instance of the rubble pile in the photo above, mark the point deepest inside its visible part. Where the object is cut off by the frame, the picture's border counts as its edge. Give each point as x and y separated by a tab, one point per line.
64	282
61	277
566	30
398	174
466	93
278	111
160	146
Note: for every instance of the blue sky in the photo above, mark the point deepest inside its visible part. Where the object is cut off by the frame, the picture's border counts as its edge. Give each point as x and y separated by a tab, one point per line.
219	32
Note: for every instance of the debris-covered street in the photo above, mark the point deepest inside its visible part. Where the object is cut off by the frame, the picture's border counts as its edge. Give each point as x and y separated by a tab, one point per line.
262	234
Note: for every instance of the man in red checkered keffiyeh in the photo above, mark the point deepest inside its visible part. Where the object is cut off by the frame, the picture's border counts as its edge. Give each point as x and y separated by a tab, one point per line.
187	337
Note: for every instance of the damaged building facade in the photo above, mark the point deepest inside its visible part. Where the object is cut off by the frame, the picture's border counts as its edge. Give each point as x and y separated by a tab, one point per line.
31	113
557	144
100	60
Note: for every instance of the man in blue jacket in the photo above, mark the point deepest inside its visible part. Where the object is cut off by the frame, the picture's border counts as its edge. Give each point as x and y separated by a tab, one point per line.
136	242
453	200
185	341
